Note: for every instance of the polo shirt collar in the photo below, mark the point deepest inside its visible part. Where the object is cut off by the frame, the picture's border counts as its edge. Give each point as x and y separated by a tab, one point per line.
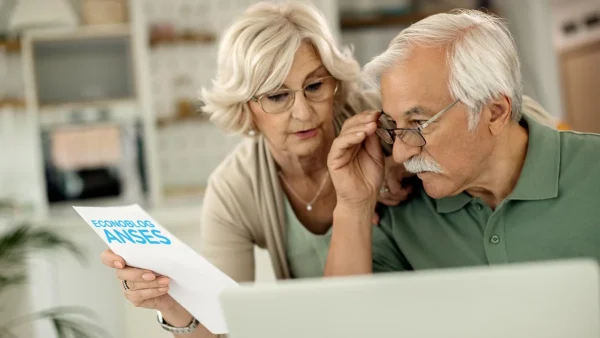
539	175
452	203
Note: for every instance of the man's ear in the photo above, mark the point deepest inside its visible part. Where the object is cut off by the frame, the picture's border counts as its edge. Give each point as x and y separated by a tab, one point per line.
500	114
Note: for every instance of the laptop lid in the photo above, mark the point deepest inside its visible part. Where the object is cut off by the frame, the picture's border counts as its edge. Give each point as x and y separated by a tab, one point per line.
546	300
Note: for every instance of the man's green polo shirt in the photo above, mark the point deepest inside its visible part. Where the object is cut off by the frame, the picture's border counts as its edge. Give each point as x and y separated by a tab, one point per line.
553	213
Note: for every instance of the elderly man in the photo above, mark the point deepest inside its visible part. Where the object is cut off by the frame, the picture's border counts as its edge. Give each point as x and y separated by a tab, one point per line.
495	186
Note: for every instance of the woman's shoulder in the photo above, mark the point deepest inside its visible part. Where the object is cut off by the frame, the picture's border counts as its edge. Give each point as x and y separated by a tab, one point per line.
238	168
235	190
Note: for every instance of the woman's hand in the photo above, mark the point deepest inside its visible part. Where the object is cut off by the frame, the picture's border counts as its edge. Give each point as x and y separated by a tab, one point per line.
392	191
146	288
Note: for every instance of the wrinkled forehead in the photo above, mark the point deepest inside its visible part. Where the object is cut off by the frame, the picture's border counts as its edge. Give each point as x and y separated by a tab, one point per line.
421	80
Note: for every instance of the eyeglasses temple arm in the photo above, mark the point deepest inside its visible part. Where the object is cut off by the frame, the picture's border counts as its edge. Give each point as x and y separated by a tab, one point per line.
436	116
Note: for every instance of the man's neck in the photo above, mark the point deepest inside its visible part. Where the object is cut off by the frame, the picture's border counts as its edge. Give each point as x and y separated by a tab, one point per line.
504	167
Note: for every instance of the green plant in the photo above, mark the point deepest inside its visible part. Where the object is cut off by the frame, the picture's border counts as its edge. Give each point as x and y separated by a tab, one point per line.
17	244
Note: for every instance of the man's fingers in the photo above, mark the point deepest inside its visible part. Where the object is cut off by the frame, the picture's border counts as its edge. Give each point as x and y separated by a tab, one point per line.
339	155
111	259
369	128
359	119
393	183
353	134
392	200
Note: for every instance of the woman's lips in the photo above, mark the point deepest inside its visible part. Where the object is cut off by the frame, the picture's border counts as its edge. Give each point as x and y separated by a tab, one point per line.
303	135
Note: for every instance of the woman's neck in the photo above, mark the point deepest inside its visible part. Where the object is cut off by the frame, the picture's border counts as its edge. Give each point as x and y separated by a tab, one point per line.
311	166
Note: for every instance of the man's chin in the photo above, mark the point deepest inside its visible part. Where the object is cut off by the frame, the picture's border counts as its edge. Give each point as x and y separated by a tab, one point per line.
433	185
424	174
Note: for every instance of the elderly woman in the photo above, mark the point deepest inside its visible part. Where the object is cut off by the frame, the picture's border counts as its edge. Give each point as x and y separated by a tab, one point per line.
282	81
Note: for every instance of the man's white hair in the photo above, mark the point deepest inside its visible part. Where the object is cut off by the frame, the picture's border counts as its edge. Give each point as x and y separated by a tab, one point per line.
256	55
481	55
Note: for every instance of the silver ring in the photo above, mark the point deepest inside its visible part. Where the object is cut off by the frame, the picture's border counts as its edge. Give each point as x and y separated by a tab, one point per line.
125	286
383	190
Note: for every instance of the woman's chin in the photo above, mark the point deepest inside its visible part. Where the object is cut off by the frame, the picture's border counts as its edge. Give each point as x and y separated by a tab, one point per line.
308	146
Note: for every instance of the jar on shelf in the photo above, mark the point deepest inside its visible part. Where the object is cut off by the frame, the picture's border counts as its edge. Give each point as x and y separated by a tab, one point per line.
104	12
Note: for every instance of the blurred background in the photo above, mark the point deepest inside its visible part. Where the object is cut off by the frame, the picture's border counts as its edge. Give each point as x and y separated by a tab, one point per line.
98	107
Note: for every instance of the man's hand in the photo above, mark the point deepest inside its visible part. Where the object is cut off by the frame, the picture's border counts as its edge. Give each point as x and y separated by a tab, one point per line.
356	167
356	162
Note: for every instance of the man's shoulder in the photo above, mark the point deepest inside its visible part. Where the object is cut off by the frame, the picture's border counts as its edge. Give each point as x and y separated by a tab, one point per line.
580	148
579	160
570	137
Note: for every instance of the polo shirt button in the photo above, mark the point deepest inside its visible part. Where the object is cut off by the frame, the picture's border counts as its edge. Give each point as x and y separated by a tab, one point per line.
495	239
479	207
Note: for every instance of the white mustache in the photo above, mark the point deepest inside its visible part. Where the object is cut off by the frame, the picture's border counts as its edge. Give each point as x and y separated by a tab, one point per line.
417	164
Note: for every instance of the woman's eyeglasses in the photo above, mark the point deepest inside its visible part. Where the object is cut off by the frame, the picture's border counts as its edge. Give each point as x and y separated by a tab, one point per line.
280	101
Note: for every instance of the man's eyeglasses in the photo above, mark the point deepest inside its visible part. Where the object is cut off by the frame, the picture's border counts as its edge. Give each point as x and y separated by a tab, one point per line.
411	136
317	91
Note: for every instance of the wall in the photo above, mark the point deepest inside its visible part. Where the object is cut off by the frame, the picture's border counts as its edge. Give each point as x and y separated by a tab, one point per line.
532	27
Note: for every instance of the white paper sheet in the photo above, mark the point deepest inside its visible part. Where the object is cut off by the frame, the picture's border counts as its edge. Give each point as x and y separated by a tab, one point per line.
133	234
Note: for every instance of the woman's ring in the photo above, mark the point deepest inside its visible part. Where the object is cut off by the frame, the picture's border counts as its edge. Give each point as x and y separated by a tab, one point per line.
383	190
125	286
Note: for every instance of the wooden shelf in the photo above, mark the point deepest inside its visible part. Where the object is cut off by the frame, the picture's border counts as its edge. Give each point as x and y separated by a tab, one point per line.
380	20
14	102
193	38
349	22
11	46
86	104
184	191
165	121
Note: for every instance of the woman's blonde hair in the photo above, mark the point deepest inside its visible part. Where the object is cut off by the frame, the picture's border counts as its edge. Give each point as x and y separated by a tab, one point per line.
256	55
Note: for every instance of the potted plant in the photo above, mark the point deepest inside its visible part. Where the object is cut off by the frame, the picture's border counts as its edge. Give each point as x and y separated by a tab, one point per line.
19	239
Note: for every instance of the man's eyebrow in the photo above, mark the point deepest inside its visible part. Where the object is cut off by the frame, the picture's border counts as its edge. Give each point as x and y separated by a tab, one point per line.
417	110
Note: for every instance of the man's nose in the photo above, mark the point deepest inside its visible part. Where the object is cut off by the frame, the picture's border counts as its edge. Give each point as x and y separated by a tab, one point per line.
402	151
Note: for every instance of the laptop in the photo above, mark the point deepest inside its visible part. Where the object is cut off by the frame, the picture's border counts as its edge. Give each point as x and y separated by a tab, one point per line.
558	299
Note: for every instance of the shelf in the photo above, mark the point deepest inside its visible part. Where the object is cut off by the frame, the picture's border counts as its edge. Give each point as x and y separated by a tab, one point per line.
86	104
81	32
11	46
186	191
193	38
165	121
14	102
84	32
380	20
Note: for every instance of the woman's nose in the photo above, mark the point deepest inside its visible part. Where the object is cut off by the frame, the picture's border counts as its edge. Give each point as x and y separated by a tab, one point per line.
301	109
